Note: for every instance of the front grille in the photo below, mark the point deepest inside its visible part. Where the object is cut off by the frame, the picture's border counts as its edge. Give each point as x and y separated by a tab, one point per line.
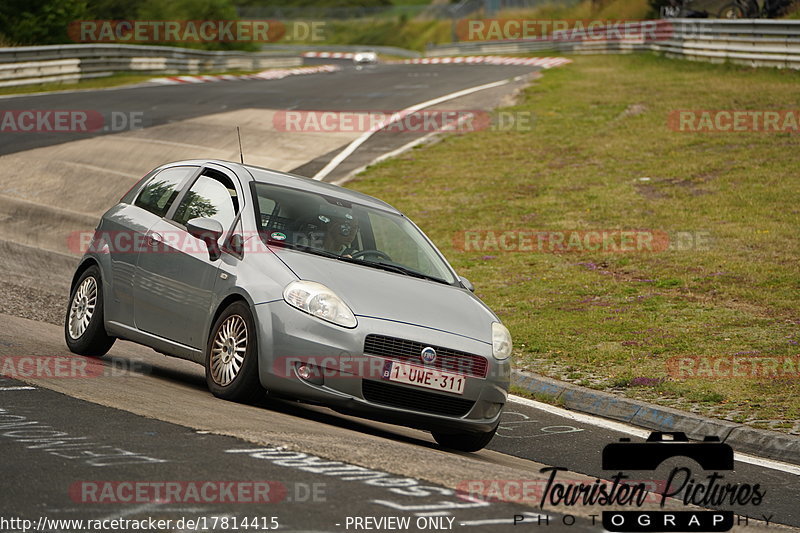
415	400
408	351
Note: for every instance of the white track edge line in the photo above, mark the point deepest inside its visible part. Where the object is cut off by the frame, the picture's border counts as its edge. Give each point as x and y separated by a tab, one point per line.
344	154
398	151
643	433
408	146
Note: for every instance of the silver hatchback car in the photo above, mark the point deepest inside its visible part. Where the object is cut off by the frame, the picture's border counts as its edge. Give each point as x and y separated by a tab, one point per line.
304	289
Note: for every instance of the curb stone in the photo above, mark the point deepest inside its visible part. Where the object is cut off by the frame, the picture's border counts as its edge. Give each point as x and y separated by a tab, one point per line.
760	442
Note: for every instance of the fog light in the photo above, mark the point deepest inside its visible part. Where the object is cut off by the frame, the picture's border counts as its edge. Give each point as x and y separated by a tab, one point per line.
309	373
493	409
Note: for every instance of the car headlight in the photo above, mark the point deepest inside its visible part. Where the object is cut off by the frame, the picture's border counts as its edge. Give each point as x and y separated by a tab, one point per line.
318	300
501	341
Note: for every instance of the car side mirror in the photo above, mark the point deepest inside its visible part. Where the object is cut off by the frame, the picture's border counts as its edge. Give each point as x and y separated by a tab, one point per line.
236	244
466	284
209	231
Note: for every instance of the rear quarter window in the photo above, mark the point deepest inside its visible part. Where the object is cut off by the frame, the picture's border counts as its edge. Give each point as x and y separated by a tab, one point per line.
161	190
208	198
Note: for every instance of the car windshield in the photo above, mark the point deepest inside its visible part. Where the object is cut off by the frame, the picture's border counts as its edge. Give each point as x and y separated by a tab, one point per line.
333	227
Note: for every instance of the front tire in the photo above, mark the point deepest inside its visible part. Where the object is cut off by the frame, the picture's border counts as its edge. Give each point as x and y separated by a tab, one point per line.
464	442
84	330
232	356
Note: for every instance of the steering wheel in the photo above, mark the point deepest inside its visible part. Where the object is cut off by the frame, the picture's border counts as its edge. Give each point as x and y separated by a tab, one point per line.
303	224
376	253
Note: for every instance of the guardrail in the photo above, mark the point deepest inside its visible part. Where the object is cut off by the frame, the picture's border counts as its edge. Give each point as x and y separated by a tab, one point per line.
28	65
754	42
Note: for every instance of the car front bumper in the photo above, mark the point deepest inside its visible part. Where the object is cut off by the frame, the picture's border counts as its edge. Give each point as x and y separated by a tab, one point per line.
347	379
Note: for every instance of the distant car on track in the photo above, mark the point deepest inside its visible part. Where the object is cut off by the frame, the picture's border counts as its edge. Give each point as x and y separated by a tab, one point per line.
368	57
304	289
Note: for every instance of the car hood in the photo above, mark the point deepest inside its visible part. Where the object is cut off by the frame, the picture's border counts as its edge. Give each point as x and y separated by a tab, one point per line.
375	293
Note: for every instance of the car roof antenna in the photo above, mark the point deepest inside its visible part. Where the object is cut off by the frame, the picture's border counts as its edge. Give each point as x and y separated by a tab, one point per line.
241	155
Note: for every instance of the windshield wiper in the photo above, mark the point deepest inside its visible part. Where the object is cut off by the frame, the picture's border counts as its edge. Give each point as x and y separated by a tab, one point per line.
383	266
315	251
303	248
404	270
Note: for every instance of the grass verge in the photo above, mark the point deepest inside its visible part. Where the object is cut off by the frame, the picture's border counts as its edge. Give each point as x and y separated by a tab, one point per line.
115	80
600	156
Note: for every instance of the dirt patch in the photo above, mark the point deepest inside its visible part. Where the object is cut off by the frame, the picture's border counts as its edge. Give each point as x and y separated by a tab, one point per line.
632	111
34	304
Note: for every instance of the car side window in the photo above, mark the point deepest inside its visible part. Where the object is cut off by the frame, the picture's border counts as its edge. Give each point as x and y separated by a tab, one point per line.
211	196
162	189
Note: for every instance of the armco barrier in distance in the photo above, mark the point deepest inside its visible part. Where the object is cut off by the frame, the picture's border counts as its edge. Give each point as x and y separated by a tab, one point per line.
28	65
753	42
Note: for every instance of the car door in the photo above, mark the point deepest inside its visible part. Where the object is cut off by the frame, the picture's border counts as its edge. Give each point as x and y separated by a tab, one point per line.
123	229
175	278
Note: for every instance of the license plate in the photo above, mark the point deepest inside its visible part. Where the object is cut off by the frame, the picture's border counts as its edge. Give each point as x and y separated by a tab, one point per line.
424	377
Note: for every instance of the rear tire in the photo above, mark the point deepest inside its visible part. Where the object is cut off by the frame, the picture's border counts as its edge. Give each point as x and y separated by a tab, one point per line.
84	331
232	356
464	442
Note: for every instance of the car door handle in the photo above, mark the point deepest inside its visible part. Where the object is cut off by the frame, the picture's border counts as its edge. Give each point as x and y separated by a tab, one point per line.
154	239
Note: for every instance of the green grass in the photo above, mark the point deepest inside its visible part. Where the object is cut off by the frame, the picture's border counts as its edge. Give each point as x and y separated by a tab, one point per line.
96	83
414	33
611	9
405	31
411	34
613	320
115	80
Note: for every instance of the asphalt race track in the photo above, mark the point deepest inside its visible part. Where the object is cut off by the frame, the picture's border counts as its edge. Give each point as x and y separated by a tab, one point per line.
71	448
